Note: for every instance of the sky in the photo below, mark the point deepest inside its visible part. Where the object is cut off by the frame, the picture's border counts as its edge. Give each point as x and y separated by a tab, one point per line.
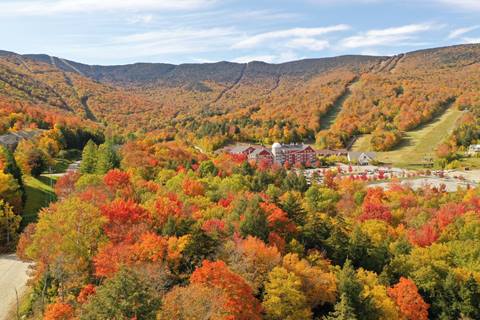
109	32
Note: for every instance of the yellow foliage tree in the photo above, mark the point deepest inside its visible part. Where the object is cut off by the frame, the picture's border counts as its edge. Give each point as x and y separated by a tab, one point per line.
284	299
318	284
378	293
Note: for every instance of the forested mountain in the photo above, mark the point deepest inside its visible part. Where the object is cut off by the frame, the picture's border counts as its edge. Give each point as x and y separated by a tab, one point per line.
330	99
150	226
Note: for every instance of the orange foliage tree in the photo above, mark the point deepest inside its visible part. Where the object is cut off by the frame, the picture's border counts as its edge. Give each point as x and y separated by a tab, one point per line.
240	302
58	311
408	300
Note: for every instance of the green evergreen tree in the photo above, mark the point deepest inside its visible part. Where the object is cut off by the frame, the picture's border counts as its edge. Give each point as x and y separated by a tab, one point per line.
363	253
295	182
207	168
321	199
245	169
107	158
11	165
89	158
349	286
9	224
255	221
470	299
343	311
294	209
447	303
316	231
200	247
125	296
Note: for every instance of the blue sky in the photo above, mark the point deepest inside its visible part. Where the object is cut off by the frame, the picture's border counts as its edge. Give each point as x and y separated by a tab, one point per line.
181	31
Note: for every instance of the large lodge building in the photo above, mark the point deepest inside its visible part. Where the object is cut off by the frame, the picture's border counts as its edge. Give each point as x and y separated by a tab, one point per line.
280	153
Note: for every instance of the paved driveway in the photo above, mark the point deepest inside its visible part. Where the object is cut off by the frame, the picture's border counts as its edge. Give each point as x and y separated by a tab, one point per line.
13	275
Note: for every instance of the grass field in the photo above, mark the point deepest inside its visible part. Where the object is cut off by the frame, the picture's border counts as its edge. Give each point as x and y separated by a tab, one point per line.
416	144
39	193
362	143
470	162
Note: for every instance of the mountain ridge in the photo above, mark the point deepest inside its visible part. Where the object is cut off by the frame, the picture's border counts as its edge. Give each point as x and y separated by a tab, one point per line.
387	95
103	73
166	68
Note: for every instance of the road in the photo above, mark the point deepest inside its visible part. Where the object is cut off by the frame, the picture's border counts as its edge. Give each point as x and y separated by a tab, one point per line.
72	167
13	280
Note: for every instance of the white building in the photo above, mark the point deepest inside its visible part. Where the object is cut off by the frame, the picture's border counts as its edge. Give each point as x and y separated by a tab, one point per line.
474	149
362	158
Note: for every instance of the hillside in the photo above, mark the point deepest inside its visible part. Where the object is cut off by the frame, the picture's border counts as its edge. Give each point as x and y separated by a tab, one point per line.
417	145
330	99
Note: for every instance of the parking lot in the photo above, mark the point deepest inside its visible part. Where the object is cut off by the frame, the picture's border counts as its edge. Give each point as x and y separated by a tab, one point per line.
379	176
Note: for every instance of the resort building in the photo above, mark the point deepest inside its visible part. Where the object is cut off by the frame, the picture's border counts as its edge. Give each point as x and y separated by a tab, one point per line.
280	153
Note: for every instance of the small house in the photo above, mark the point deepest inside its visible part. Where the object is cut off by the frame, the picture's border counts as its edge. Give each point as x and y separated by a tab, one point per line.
474	149
362	158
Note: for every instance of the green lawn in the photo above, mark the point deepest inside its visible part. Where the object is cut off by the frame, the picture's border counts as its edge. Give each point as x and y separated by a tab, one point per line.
423	141
417	144
39	193
362	143
470	162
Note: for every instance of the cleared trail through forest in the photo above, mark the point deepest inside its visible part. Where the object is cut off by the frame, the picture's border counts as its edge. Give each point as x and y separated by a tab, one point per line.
328	119
233	85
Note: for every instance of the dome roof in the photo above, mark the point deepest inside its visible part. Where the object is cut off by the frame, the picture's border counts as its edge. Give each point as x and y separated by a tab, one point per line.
276	145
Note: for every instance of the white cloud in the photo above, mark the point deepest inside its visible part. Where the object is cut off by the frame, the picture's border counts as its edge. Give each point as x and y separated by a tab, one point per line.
140	19
164	45
462	4
461	31
177	37
51	7
370	52
264	58
288	55
263	15
386	37
335	2
262	38
284	56
309	44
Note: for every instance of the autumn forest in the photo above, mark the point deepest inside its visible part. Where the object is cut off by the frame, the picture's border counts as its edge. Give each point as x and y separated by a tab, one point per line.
156	222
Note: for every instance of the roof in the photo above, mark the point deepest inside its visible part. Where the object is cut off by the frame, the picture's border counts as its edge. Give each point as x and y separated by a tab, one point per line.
294	147
260	150
12	139
239	148
355	155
